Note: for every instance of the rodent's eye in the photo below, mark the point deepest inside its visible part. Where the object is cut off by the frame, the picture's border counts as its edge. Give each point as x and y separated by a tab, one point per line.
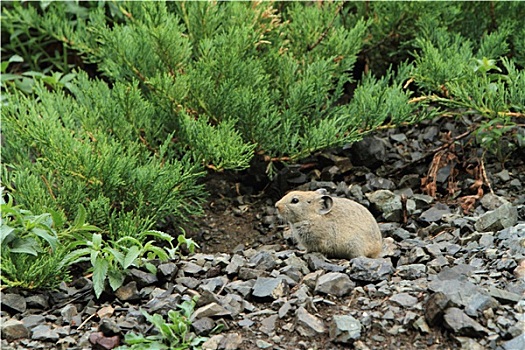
295	200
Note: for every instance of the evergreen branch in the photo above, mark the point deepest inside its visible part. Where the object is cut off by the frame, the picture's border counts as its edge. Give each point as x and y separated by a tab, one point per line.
330	25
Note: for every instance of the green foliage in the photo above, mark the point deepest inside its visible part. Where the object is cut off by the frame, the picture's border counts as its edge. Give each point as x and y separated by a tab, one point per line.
111	260
171	334
33	250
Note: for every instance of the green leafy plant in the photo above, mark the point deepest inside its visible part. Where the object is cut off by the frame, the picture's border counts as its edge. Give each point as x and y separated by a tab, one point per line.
33	251
173	333
111	260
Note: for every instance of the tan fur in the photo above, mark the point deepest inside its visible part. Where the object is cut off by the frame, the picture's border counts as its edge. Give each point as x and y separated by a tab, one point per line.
336	227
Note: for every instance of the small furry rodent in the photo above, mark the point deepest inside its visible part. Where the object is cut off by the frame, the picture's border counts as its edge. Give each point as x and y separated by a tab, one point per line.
336	227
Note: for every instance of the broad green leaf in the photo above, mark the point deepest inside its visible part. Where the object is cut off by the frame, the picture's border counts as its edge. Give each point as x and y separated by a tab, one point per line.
151	268
26	246
100	272
117	255
78	255
159	234
131	256
116	278
157	251
80	219
97	241
5	231
51	240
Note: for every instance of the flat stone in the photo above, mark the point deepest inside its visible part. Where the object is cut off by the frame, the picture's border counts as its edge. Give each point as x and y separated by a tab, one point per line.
37	301
344	329
14	329
461	324
100	341
261	344
128	292
263	260
203	326
109	327
317	262
435	213
371	270
191	268
435	308
404	299
503	295
421	325
246	273
515	343
231	341
13	302
308	325
32	321
242	287
334	283
266	287
503	217
68	312
492	201
143	278
235	264
45	333
268	324
167	270
210	310
411	271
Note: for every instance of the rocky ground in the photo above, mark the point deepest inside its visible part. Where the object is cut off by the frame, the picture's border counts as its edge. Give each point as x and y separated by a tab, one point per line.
452	274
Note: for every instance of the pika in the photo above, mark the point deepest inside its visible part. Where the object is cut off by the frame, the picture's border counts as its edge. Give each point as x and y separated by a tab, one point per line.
335	227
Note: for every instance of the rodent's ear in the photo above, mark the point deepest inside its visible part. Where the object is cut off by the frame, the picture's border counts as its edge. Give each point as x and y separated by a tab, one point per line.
326	205
322	191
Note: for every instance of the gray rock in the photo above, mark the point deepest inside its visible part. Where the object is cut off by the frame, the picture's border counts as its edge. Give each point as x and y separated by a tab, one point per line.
369	152
464	293
14	329
261	344
404	299
412	271
128	292
229	341
109	327
308	325
390	204
503	295
516	343
233	303
32	321
68	312
334	283
435	213
143	278
461	324
298	263
273	288
435	308
189	282
370	270
284	309
203	326
191	268
421	325
422	201
263	260
268	324
45	333
212	284
242	287
317	261
210	310
13	302
344	329
491	201
503	217
167	270
246	273
163	305
37	301
235	264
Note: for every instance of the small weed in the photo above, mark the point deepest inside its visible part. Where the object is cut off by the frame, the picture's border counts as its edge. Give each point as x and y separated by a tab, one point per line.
172	334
